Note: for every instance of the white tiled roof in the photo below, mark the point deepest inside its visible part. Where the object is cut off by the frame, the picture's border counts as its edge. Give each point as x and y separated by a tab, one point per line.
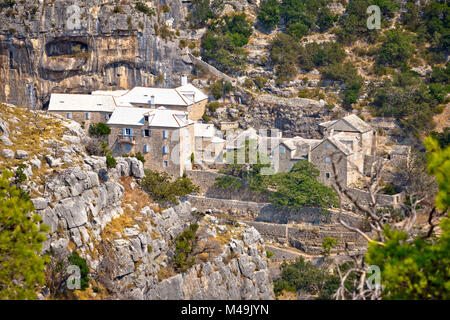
81	102
352	120
114	93
157	117
187	91
205	130
181	96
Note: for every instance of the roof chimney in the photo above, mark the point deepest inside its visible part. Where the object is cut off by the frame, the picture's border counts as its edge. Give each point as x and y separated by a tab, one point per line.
184	80
152	101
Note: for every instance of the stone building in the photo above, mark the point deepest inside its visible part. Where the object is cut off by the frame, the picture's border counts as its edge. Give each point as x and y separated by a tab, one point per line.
184	98
291	150
208	144
352	126
99	105
346	160
83	108
164	137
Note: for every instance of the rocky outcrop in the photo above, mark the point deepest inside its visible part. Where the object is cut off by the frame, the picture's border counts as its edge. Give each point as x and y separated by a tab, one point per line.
80	46
127	240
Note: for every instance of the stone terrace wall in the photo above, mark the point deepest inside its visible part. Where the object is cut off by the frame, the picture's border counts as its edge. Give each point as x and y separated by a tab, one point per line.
206	179
266	212
382	199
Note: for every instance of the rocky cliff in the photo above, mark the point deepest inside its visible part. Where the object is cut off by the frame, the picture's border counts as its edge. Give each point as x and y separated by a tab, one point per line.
80	46
128	242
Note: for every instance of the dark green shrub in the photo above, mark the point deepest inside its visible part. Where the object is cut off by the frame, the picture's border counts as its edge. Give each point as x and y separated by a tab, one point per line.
20	176
99	129
163	189
306	277
75	259
110	161
142	7
213	106
269	13
183	247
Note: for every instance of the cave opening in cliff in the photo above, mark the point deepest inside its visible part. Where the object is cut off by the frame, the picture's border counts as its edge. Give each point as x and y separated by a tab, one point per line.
65	47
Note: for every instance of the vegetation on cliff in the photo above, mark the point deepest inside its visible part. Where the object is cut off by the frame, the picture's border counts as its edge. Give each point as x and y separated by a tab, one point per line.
21	238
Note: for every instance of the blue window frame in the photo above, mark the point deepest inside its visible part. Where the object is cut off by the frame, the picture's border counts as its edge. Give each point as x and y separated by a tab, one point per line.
127	132
165	134
282	150
166	164
165	149
327	160
146	148
128	147
69	115
88	115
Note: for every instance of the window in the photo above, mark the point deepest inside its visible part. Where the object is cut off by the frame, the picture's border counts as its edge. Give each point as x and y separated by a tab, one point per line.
327	146
327	175
69	115
166	164
165	149
88	115
146	148
146	133
146	118
165	134
282	150
188	148
107	116
127	132
327	160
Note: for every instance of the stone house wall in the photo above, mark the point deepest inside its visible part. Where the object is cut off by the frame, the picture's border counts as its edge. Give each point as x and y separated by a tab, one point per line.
177	141
195	110
80	117
318	156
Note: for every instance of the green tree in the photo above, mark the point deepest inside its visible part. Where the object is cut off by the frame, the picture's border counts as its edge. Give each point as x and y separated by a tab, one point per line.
396	49
328	243
75	259
99	129
300	188
284	51
21	239
326	19
306	277
200	13
418	269
222	42
269	13
163	189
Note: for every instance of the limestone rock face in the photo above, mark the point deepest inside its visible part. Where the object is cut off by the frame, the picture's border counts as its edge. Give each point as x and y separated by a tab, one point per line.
80	46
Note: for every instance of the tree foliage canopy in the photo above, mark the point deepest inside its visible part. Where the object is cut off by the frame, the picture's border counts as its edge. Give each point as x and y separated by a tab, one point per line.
21	239
163	189
300	188
418	269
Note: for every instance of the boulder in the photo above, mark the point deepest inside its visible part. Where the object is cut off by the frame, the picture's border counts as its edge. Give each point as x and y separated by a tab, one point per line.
40	203
35	163
7	153
6	141
53	162
21	154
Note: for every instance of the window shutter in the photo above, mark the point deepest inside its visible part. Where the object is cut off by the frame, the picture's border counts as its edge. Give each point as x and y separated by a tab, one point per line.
146	148
131	132
124	132
143	133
